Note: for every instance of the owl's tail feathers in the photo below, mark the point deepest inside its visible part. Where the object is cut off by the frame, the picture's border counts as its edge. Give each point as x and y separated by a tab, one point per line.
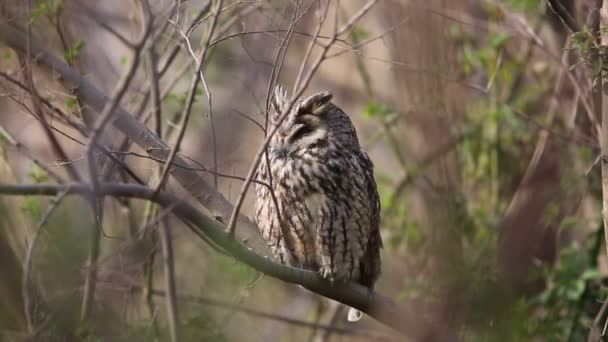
354	315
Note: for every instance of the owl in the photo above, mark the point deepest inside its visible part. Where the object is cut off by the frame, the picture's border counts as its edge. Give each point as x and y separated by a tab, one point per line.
316	203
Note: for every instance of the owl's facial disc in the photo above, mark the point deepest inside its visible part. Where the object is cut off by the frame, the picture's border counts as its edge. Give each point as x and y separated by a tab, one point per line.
306	130
303	136
304	126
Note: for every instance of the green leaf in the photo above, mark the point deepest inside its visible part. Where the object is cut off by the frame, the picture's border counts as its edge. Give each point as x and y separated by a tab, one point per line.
497	40
379	110
590	273
32	206
37	174
73	52
45	8
359	34
71	102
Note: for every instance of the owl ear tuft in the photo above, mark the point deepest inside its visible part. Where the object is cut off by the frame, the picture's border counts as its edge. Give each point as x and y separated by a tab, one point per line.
278	101
315	104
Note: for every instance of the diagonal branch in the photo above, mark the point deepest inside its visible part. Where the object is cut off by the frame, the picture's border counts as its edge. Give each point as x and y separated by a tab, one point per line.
125	122
411	322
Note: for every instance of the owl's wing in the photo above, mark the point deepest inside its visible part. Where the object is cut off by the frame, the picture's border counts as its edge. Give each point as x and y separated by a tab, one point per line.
347	219
370	263
335	256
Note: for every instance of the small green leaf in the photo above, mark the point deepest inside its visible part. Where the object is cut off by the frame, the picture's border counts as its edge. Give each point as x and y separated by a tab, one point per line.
71	102
37	174
359	34
73	52
378	110
31	206
589	274
497	40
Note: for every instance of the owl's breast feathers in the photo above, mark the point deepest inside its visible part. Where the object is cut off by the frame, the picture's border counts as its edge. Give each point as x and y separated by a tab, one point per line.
328	212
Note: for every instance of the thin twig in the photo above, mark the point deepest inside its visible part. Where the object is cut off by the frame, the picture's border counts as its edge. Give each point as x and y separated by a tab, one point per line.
118	93
38	109
175	50
543	136
308	52
99	126
129	125
26	152
27	264
306	80
200	60
67	119
594	333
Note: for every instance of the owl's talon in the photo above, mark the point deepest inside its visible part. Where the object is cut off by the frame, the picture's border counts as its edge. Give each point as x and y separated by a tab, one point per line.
327	275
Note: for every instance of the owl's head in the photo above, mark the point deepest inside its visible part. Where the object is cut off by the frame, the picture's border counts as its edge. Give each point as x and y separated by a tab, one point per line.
311	122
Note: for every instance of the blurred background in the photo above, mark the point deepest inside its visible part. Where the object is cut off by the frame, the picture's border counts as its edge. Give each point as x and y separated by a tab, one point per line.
478	115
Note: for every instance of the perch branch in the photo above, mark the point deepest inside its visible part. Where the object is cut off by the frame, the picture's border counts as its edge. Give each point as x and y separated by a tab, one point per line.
410	322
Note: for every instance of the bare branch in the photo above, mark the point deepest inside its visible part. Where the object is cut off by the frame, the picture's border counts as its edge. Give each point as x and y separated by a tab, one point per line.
27	264
169	274
129	125
256	313
200	59
403	318
297	93
25	151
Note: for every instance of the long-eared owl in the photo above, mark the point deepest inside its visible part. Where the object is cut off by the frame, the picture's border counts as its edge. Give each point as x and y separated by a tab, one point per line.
318	207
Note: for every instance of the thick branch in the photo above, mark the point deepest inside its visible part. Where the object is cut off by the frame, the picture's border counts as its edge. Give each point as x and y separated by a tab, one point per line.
412	323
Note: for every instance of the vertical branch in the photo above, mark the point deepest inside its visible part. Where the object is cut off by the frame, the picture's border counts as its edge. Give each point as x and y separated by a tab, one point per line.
601	103
91	269
169	273
98	128
198	76
164	230
155	91
26	65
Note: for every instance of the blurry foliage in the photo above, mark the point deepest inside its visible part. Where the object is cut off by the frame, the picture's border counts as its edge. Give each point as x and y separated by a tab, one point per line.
72	53
378	110
203	328
48	8
492	157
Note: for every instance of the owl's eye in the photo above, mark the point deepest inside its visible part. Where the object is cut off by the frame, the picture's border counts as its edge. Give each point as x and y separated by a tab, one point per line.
299	133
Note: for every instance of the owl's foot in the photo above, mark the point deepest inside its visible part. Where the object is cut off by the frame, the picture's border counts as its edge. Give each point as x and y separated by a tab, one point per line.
334	276
326	273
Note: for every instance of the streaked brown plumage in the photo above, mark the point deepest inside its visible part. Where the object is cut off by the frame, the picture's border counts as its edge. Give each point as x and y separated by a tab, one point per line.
328	207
